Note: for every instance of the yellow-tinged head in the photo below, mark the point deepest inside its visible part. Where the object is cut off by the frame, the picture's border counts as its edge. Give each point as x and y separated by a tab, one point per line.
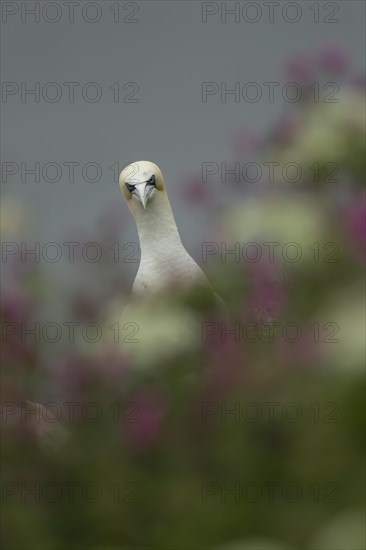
141	181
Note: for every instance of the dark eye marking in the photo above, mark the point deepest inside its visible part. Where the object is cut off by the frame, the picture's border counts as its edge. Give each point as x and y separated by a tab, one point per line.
130	187
151	181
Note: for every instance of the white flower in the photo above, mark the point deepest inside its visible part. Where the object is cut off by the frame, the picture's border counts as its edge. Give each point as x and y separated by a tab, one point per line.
347	315
281	220
323	136
156	331
342	533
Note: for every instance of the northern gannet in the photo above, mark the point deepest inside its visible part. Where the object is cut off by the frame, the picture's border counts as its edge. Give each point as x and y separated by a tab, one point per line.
164	260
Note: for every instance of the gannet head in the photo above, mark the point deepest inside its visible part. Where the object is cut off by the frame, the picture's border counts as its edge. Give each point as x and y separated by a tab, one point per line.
140	182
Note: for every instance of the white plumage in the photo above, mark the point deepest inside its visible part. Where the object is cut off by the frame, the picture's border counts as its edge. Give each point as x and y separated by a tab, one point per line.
164	260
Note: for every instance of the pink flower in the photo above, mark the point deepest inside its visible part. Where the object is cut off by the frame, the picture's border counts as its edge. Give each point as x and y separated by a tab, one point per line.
302	70
267	293
244	141
16	312
16	306
297	345
359	82
334	60
222	345
73	379
22	266
85	307
286	129
111	368
142	426
356	226
195	191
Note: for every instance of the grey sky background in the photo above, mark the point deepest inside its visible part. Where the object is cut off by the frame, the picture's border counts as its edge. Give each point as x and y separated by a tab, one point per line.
169	52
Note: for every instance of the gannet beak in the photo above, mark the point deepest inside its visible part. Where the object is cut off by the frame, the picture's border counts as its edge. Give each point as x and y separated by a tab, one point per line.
141	189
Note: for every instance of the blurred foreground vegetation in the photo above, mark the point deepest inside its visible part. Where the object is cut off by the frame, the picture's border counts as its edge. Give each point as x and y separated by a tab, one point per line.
194	436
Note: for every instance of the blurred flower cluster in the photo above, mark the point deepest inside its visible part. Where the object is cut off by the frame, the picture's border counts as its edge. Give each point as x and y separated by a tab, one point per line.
168	414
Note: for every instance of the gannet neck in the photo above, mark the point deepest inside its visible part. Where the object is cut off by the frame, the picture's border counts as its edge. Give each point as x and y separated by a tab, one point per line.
156	227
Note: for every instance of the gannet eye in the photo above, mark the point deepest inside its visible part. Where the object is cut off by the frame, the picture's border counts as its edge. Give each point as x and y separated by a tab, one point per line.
130	187
151	181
